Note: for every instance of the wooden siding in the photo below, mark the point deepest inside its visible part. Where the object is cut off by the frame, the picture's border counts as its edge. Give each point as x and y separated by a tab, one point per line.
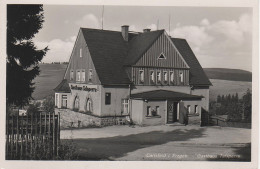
177	82
78	63
162	45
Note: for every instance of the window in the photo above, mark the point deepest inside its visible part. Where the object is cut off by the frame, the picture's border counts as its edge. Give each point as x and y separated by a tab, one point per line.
80	52
152	76
188	107
171	76
83	75
76	103
157	110
71	75
149	112
78	76
90	75
141	76
108	98
56	99
162	56
196	109
89	106
181	77
125	106
158	76
165	77
64	101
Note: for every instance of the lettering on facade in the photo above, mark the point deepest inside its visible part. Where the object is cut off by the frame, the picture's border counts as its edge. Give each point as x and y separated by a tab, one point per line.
84	88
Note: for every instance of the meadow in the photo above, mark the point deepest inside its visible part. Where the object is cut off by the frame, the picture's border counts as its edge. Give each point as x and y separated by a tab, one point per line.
52	74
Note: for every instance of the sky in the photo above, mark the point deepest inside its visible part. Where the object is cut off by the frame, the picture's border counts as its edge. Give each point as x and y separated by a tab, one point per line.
220	37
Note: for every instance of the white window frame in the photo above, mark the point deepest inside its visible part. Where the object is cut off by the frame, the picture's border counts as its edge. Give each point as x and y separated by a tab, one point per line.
196	109
78	72
141	76
83	75
125	106
165	76
152	79
71	74
171	76
164	57
158	76
80	52
181	76
189	108
90	75
56	99
64	98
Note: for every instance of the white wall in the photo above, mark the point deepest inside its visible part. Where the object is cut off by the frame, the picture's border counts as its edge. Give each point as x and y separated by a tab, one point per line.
137	111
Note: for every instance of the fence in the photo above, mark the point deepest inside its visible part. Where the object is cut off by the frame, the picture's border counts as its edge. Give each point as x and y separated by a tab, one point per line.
216	121
34	136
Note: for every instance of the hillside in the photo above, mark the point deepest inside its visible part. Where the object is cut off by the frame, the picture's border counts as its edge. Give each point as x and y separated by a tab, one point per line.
52	74
228	74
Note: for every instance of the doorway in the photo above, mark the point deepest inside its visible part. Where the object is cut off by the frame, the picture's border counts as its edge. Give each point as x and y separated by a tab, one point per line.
172	111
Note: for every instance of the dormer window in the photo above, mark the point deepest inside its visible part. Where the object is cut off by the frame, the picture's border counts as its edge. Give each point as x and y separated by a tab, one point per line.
161	56
141	76
80	52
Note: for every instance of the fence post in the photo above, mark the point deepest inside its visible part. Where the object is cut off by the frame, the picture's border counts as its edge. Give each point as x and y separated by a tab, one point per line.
53	135
31	132
26	137
7	137
12	138
49	133
17	134
40	127
22	138
58	133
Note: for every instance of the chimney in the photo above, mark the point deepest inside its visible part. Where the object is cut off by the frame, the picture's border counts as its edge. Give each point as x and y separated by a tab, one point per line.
146	30
124	30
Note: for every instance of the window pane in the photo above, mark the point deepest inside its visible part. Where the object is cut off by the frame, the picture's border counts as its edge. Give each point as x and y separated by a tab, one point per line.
78	75
141	76
171	76
108	98
71	74
165	76
83	75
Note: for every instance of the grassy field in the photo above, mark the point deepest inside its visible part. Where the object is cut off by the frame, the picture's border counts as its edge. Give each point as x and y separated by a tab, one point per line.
52	74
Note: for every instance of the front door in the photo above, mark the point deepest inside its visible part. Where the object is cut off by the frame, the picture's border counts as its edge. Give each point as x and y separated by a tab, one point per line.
172	108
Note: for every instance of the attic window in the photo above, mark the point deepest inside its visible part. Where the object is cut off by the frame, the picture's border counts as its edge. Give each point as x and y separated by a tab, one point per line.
162	56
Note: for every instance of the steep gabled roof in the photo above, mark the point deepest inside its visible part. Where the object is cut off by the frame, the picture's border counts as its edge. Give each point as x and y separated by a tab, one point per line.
139	45
164	94
197	74
108	51
63	87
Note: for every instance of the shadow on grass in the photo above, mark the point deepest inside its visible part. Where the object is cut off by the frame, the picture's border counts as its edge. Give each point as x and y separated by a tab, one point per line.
115	147
242	154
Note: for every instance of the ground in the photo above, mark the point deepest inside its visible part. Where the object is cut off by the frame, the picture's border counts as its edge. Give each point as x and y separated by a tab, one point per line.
176	143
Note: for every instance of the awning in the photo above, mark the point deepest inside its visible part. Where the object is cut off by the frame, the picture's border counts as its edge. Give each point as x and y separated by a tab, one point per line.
164	95
63	87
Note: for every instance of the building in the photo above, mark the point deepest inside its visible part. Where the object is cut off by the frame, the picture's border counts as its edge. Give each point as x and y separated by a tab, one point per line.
148	77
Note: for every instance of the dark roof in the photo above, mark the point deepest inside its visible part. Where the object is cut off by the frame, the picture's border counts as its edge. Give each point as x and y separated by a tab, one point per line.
110	48
63	87
197	74
108	51
165	95
139	44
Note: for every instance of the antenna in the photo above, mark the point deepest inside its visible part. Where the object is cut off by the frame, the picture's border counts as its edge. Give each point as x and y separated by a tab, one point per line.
170	24
102	16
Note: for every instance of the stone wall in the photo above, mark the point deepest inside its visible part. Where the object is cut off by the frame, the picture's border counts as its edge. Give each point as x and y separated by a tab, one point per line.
72	119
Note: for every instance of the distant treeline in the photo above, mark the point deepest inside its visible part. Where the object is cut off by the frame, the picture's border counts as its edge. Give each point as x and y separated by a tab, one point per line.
236	109
65	63
228	74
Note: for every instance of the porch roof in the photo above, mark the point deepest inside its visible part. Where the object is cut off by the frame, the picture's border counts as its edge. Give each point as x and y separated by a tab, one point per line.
164	95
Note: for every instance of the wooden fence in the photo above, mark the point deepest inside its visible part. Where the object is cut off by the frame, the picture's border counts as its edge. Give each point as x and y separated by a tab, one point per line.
34	136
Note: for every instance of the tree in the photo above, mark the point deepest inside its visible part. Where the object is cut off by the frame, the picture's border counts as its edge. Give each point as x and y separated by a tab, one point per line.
247	103
49	104
23	22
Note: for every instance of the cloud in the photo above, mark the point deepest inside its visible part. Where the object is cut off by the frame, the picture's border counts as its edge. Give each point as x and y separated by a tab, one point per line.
133	28
228	40
152	27
59	50
89	21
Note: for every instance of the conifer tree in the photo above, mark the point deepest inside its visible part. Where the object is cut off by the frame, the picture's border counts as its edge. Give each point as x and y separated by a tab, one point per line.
23	22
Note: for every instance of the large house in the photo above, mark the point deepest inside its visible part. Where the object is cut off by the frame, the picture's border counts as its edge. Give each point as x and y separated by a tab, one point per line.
147	76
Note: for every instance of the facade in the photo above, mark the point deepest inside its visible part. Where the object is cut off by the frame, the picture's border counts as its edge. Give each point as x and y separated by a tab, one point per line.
148	77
